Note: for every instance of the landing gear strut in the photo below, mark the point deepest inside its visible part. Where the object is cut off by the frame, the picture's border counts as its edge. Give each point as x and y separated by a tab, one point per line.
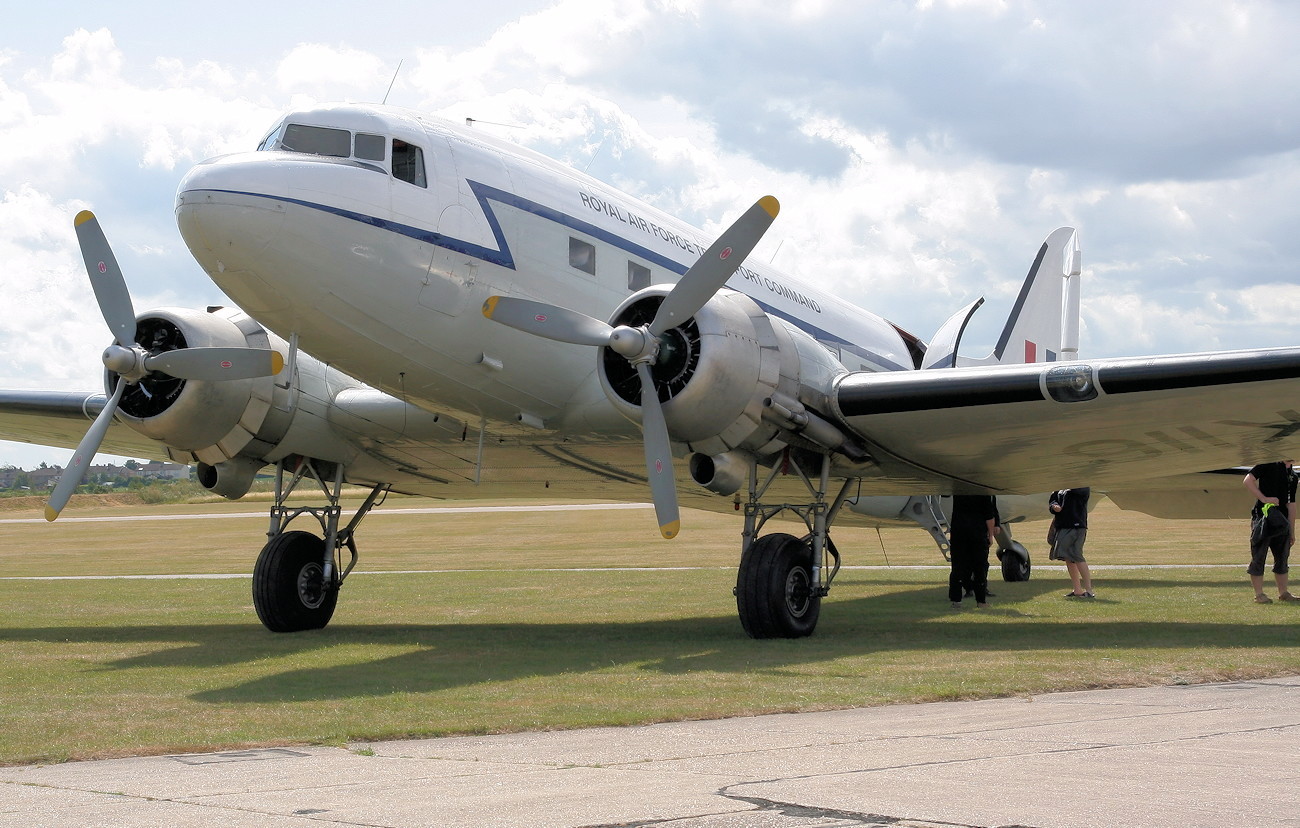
782	578
298	575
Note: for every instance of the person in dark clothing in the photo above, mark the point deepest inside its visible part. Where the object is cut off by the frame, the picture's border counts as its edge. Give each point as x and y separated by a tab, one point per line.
1274	487
1070	510
970	533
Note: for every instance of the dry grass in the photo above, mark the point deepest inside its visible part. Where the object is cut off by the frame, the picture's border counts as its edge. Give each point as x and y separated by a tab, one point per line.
97	668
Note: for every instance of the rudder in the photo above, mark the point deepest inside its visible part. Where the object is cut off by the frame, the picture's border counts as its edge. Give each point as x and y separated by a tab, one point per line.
1044	322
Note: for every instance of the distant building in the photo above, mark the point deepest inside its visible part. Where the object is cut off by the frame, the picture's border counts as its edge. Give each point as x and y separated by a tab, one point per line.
164	471
48	478
45	478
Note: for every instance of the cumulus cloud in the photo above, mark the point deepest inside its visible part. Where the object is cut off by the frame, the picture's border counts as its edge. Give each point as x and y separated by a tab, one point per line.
921	151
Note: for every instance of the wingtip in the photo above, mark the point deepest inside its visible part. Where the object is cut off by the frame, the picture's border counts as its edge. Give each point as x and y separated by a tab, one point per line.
670	530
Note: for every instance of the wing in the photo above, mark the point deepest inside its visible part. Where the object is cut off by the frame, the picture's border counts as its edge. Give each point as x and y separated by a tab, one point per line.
60	418
1213	495
1103	423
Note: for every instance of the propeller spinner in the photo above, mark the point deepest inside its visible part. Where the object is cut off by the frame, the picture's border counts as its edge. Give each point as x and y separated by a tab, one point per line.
132	362
640	345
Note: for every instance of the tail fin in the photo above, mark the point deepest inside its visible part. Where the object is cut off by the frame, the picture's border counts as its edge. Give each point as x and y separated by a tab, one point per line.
1044	323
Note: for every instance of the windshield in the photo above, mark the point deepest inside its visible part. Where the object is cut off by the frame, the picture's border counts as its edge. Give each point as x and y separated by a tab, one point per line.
317	140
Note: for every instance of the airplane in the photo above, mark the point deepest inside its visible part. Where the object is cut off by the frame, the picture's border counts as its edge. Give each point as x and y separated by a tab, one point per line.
424	308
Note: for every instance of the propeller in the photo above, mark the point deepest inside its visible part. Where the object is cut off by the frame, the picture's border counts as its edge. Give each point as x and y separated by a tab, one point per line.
132	362
640	345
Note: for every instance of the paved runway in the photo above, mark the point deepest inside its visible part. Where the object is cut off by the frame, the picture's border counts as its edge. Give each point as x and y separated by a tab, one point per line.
1206	755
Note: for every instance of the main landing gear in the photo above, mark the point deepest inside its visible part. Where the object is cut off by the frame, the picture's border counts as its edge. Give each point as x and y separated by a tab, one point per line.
298	574
782	578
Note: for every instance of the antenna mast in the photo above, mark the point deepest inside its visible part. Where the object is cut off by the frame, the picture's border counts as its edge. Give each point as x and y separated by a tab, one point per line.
393	81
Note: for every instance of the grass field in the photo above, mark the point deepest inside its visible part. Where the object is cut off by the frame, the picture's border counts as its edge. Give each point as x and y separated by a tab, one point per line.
529	624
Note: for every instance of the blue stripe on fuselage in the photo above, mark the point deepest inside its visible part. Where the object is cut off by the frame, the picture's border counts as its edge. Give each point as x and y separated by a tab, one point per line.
503	257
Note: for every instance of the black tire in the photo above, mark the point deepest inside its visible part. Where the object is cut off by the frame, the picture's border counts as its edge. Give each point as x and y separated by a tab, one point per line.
1015	563
289	590
774	588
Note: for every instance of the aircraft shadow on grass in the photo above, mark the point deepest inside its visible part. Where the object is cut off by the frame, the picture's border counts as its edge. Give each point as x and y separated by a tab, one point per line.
461	655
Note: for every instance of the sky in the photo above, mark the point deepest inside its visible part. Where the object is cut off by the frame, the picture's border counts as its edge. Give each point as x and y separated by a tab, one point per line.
921	150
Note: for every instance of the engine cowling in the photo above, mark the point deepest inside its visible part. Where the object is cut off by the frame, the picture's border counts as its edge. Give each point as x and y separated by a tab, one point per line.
211	422
732	379
233	428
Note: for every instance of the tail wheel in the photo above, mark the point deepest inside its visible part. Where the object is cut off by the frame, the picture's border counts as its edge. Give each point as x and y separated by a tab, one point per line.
290	592
1015	563
775	593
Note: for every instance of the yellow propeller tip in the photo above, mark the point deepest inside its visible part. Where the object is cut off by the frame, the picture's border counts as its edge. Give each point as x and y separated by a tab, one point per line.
51	513
277	362
83	217
490	306
770	205
670	530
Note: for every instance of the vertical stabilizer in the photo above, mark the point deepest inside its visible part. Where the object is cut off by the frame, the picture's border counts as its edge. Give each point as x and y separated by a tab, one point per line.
1044	322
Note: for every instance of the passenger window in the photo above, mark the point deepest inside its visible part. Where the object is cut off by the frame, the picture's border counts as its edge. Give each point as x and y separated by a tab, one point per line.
408	163
316	140
582	255
638	276
369	147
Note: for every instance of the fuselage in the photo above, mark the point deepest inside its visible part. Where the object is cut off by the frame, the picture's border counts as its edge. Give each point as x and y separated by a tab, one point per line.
373	235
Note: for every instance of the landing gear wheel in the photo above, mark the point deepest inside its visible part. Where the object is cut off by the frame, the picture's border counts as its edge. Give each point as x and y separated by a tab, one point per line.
1015	562
289	589
774	588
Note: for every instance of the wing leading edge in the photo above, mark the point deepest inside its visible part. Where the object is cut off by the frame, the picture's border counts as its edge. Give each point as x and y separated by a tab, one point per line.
1102	423
60	418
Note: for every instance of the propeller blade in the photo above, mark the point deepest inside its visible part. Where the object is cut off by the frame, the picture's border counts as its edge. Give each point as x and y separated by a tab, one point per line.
658	456
82	457
106	278
216	363
547	321
707	276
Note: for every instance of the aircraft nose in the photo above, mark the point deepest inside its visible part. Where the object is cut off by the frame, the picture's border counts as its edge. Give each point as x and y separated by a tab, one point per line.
230	178
229	210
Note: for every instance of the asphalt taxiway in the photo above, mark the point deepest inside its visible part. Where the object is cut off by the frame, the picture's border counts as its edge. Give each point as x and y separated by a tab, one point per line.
1200	755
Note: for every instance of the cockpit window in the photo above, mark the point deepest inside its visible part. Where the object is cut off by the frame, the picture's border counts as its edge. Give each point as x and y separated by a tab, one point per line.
317	140
408	163
269	141
369	147
407	160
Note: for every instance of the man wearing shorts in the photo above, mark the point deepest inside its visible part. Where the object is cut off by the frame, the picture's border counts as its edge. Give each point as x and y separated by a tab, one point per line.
1070	510
1274	487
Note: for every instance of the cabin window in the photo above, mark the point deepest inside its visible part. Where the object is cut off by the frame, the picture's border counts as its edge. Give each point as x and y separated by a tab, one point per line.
316	140
638	276
369	147
408	163
582	255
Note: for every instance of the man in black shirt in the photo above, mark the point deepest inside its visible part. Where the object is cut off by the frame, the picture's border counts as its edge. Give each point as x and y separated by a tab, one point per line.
1070	508
1274	487
970	533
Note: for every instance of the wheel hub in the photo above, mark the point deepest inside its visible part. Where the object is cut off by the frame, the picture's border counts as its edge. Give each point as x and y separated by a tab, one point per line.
798	591
311	585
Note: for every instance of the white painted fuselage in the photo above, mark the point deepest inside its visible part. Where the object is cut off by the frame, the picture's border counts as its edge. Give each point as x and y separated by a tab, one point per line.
380	268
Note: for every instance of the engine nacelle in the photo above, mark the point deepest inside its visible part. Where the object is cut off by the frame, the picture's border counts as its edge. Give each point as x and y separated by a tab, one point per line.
213	421
233	428
719	372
